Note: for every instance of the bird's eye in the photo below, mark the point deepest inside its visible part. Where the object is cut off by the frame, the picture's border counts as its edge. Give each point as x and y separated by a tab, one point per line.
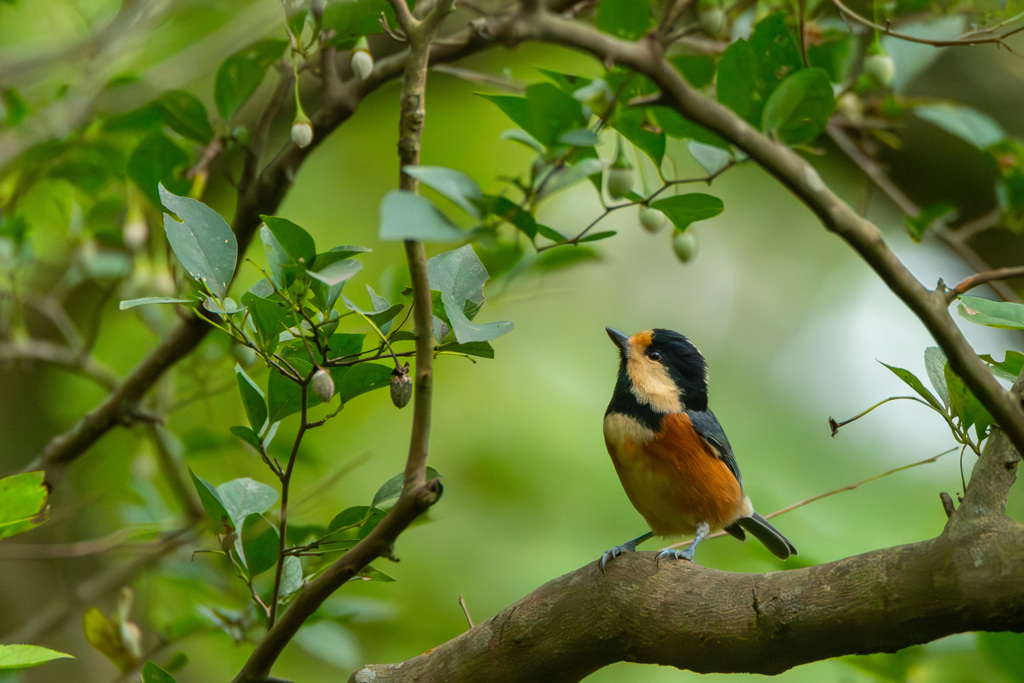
654	355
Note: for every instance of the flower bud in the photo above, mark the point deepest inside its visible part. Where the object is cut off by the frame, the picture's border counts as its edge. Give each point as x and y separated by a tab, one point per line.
323	384
401	386
362	64
879	68
302	133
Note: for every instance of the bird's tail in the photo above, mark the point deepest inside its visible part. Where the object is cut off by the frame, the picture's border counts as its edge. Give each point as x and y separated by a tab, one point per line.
772	538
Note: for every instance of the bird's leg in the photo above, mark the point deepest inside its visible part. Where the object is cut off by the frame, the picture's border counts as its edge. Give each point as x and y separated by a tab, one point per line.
703	529
627	547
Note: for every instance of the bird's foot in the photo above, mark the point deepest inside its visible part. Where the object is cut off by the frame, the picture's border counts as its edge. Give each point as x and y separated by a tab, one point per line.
672	553
615	552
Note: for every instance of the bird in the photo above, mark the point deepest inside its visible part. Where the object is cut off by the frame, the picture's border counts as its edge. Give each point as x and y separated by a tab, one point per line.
671	453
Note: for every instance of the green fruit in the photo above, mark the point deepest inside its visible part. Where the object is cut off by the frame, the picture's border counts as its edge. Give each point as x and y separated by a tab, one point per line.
652	220
620	182
879	68
713	22
685	245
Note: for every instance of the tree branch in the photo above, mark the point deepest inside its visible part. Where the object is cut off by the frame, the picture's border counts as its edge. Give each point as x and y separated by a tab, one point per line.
968	578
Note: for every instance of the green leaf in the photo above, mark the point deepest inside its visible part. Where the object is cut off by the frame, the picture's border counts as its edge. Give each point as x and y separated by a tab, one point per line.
911	380
284	397
919	224
798	109
698	70
965	406
158	160
633	124
711	158
329	280
151	673
407	216
244	496
369	573
345	344
460	276
220	520
203	242
392	488
22	502
291	575
567	175
241	73
546	112
186	115
295	242
1002	314
511	212
371	523
970	125
479	349
627	19
359	379
685	209
350	517
13	107
1010	366
749	70
675	126
252	399
225	306
25	656
337	273
935	365
454	185
597	236
269	317
260	543
132	303
351	18
247	435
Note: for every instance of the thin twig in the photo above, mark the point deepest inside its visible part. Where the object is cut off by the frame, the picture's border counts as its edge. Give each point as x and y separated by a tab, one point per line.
465	610
986	277
849	487
968	40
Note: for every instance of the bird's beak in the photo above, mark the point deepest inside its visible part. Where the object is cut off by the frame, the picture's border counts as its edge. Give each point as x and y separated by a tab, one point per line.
621	340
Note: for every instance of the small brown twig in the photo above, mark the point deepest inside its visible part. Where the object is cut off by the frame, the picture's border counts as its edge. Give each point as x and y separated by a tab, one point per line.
985	277
465	609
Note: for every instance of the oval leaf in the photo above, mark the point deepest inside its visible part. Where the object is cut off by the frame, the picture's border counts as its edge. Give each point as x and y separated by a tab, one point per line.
407	216
24	656
202	241
685	209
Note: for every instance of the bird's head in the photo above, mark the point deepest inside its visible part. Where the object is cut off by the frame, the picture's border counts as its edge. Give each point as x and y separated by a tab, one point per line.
662	369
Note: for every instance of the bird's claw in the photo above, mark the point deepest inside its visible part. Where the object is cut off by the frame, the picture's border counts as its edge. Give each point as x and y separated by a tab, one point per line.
613	553
672	553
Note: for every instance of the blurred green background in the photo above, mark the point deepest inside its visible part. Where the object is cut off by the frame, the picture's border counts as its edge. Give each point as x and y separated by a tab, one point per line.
790	320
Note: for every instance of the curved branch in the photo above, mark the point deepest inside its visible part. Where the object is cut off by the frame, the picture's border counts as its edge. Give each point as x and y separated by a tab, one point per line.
969	578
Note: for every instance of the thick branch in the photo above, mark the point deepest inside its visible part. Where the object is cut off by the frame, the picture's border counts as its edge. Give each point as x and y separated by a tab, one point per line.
801	179
970	577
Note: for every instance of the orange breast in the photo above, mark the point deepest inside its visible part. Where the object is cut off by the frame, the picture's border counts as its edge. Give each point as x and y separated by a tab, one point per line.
673	478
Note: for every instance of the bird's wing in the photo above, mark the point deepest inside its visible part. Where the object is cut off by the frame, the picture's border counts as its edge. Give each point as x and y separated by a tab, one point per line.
708	428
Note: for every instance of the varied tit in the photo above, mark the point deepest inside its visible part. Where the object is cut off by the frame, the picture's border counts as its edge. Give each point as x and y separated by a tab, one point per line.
671	453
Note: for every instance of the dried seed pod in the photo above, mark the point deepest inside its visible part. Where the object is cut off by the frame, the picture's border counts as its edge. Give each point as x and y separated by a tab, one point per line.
401	386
